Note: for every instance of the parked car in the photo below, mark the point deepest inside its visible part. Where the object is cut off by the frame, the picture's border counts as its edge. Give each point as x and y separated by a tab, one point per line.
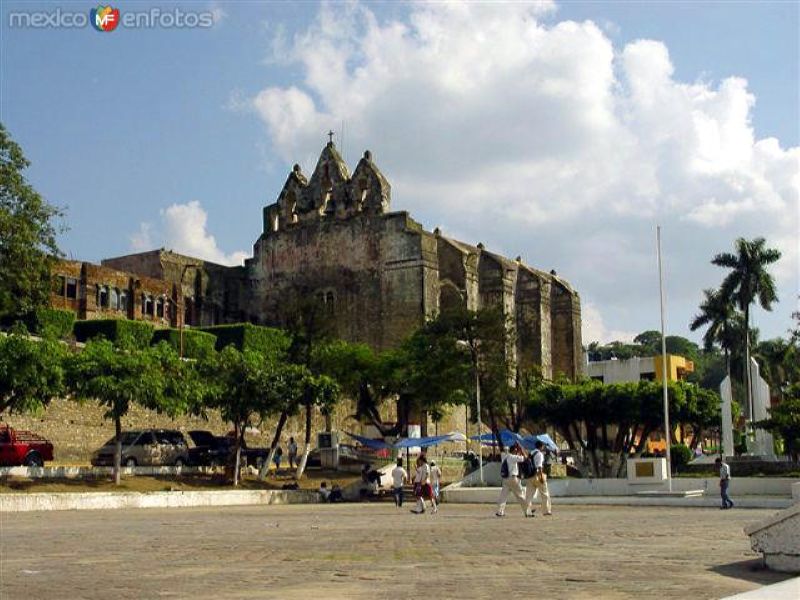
216	450
147	447
23	448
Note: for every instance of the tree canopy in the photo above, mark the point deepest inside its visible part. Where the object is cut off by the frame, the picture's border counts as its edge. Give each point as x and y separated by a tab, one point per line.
28	228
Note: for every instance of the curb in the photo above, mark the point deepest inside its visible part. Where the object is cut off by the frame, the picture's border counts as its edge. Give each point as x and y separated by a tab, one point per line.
10	503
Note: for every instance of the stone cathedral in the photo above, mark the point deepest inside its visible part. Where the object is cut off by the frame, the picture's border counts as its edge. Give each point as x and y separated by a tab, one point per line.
379	274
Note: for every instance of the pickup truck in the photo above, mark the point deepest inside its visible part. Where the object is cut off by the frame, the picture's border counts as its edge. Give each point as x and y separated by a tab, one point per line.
23	448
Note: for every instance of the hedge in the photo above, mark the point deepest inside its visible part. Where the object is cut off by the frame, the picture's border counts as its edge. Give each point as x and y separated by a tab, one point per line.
50	322
245	336
196	344
122	332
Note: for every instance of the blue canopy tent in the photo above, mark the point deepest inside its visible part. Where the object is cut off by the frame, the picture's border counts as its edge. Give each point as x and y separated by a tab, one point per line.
508	438
369	442
529	441
426	442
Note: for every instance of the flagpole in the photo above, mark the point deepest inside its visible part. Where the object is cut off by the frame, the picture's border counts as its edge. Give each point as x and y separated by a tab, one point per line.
664	360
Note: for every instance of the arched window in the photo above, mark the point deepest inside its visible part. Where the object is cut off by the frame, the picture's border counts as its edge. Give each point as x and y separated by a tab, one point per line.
102	296
114	299
160	307
187	311
147	305
123	300
329	303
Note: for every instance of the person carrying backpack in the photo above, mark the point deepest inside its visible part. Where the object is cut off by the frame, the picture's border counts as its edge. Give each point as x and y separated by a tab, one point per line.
509	472
537	483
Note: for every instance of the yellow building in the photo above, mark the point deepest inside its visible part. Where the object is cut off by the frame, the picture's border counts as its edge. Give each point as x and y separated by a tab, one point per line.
639	368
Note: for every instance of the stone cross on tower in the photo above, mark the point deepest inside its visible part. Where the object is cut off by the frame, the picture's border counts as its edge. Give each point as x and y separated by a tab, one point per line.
330	137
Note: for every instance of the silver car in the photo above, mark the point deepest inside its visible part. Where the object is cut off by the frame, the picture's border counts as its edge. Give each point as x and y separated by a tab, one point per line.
148	447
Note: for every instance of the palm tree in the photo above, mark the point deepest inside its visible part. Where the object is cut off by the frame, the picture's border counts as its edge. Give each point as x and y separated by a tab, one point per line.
719	313
747	282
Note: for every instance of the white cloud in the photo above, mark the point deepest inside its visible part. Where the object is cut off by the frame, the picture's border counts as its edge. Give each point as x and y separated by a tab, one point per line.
547	140
595	330
183	228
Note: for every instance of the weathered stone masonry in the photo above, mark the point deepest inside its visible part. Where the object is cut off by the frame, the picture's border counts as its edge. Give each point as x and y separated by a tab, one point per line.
378	273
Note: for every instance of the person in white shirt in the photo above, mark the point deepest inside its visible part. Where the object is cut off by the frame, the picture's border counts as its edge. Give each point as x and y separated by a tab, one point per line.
537	483
436	478
511	480
422	486
724	482
399	477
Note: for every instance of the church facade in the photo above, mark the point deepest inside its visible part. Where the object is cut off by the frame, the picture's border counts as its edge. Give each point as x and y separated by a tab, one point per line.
378	273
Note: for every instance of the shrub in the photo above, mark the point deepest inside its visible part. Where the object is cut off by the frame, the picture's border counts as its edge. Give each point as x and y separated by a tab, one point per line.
121	332
196	344
245	336
50	322
680	456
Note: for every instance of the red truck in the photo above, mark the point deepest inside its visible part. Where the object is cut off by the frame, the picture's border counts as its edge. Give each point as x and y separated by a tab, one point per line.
23	448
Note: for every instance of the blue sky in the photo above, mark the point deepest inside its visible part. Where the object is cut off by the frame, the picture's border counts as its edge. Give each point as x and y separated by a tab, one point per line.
121	126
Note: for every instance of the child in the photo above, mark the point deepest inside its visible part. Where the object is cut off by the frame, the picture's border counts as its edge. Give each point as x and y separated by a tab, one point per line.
422	486
436	478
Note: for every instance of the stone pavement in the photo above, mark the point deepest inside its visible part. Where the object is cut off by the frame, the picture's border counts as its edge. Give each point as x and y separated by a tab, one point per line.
375	551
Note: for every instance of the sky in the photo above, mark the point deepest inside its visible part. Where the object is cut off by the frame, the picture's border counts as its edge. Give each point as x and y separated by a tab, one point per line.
560	132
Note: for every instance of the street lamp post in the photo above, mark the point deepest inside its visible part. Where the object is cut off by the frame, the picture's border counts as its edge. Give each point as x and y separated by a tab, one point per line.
478	403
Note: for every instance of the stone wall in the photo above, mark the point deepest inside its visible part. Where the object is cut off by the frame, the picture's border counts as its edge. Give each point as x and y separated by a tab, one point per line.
76	430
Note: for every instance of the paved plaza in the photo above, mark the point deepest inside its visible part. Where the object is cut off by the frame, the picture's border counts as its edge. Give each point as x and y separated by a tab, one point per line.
375	551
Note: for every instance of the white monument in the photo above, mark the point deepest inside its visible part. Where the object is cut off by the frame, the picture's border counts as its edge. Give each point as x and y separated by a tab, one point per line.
763	444
727	416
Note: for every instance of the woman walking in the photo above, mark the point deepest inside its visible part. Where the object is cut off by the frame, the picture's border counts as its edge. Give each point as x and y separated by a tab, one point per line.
422	486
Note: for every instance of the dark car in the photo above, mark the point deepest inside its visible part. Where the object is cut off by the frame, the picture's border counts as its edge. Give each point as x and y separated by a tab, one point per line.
217	450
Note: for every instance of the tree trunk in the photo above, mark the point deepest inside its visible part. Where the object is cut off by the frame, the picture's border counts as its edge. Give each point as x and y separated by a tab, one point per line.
117	449
301	467
262	474
495	431
239	432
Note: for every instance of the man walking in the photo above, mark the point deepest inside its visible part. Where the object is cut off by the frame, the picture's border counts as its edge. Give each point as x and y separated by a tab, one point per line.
509	472
399	477
724	482
537	483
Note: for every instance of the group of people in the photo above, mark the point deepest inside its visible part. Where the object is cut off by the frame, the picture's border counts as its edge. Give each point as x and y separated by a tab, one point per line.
517	466
427	479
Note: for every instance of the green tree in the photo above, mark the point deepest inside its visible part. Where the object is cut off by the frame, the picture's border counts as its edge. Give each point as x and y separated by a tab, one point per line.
484	336
780	363
604	424
748	281
31	373
718	315
27	236
309	323
250	385
116	378
784	420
